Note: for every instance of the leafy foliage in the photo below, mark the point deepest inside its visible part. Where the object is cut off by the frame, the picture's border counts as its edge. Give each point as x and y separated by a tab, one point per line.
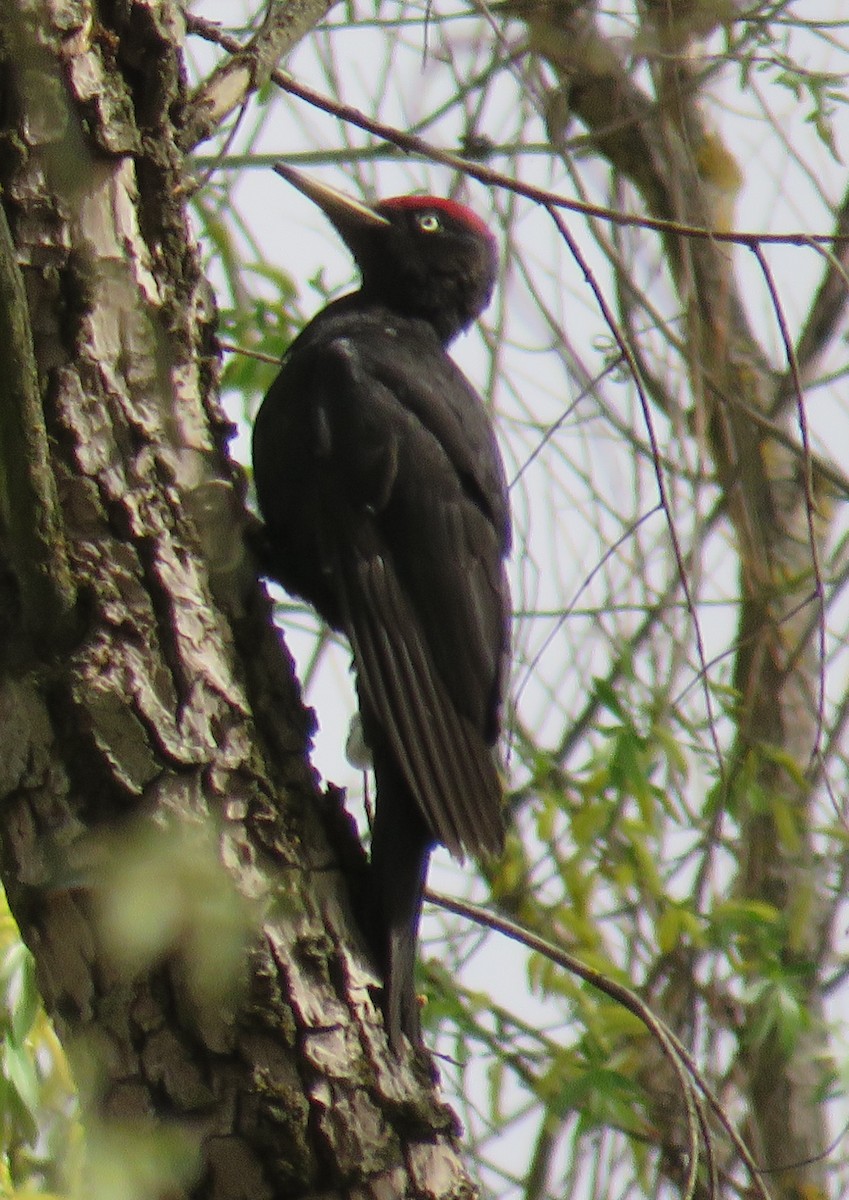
41	1133
656	820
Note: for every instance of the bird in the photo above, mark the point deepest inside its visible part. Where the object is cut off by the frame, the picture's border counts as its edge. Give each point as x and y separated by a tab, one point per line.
385	505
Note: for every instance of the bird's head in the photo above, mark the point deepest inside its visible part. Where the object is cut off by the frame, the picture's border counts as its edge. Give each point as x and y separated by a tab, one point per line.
421	256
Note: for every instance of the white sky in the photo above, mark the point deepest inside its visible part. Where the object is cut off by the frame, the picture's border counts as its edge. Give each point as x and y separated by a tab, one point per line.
782	191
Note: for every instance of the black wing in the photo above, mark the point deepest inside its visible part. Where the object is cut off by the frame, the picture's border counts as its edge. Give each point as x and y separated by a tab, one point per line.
388	481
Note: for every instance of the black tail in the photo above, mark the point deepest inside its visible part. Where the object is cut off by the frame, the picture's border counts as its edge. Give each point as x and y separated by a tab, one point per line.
400	850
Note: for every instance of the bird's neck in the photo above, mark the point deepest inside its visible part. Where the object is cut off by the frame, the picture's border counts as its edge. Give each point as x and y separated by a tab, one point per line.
445	325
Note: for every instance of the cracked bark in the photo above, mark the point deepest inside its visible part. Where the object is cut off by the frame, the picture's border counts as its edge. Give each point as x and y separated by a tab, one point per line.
141	683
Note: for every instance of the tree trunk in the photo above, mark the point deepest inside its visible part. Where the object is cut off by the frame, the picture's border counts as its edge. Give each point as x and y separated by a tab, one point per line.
147	704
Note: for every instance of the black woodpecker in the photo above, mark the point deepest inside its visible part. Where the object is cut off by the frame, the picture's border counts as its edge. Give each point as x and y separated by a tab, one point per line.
384	497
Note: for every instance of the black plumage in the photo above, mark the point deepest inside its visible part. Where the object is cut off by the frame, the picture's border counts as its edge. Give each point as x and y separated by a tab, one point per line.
383	493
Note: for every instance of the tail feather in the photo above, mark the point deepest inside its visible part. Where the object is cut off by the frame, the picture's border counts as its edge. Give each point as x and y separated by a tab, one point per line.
400	852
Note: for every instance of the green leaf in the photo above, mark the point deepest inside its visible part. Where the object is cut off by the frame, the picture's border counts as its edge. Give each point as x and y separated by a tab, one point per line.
606	697
26	1001
19	1070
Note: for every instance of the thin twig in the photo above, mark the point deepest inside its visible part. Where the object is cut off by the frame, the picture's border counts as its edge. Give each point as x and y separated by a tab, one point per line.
671	1045
627	354
476	170
810	502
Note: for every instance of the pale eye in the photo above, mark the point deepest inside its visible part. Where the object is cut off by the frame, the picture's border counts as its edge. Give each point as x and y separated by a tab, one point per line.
429	222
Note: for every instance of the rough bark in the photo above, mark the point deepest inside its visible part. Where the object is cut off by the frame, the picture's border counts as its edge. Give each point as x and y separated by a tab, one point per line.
144	691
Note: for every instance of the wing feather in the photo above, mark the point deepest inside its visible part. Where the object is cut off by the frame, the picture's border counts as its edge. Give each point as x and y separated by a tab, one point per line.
401	536
448	765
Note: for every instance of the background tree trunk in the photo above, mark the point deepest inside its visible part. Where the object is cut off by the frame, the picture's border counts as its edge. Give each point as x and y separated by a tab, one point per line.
685	174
